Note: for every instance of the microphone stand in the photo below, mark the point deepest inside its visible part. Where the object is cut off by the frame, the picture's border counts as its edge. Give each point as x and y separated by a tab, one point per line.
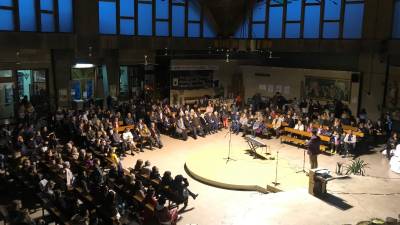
304	163
229	147
276	183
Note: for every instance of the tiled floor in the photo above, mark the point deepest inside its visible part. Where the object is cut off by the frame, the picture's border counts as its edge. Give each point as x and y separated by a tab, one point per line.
351	200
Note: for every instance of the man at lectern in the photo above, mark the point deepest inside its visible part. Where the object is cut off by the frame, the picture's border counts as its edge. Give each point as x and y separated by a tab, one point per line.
314	149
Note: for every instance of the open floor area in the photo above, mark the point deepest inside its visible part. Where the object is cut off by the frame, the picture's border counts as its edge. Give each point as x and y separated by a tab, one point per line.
350	200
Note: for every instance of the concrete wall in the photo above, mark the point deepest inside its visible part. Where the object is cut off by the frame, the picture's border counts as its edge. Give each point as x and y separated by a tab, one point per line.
293	78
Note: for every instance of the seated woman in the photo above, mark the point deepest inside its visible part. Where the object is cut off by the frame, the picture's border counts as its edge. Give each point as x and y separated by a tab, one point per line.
299	126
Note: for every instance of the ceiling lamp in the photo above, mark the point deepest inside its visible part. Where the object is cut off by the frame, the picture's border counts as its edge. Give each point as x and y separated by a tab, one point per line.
82	65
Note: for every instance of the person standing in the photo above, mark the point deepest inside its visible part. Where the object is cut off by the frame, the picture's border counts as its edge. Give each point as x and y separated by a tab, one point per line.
314	149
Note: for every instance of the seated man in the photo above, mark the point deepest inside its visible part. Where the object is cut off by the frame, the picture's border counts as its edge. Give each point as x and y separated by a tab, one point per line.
204	124
196	124
188	124
144	134
181	128
276	125
235	125
155	134
349	143
117	142
129	120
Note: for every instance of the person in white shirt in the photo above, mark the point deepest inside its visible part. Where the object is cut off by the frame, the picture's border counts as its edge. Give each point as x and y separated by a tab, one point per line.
349	143
69	176
299	126
395	160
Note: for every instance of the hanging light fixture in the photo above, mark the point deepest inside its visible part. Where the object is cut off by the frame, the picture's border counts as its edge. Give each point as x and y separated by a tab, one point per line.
227	58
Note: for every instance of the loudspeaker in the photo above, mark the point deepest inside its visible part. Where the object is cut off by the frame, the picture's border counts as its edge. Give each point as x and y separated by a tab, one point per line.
355	77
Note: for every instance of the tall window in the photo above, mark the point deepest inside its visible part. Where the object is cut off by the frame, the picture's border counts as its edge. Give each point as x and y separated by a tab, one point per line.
7	15
309	19
177	18
396	20
36	15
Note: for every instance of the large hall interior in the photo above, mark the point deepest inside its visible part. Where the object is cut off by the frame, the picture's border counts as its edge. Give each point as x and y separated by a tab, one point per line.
199	112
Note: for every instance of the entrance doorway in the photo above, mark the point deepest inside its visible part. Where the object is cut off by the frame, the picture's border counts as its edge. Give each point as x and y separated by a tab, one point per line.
32	85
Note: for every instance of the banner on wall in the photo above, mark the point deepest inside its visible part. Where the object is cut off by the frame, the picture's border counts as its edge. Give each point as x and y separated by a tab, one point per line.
327	88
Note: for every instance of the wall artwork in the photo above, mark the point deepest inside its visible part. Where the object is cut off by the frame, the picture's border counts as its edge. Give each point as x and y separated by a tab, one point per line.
321	88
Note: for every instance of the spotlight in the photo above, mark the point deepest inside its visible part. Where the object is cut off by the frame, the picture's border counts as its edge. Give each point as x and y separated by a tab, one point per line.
82	65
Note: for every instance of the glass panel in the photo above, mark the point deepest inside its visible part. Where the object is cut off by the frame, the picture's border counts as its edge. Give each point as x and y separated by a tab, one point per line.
292	30
24	83
353	20
162	9
46	5
127	26
145	19
208	31
259	11
123	81
76	89
396	20
243	31
194	10
127	8
258	30
5	73
104	76
81	74
107	17
332	9
311	21
275	22
39	96
331	30
162	28
7	19
47	21
6	3
27	17
194	30
6	100
88	93
178	21
276	2
65	15
293	10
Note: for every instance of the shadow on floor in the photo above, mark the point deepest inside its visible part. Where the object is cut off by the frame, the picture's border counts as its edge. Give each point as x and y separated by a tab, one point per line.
255	155
335	201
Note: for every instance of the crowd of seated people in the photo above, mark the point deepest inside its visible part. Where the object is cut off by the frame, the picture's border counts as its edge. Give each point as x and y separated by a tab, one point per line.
270	119
73	160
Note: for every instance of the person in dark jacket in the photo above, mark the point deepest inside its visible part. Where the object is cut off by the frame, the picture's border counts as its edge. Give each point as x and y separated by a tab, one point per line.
314	149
